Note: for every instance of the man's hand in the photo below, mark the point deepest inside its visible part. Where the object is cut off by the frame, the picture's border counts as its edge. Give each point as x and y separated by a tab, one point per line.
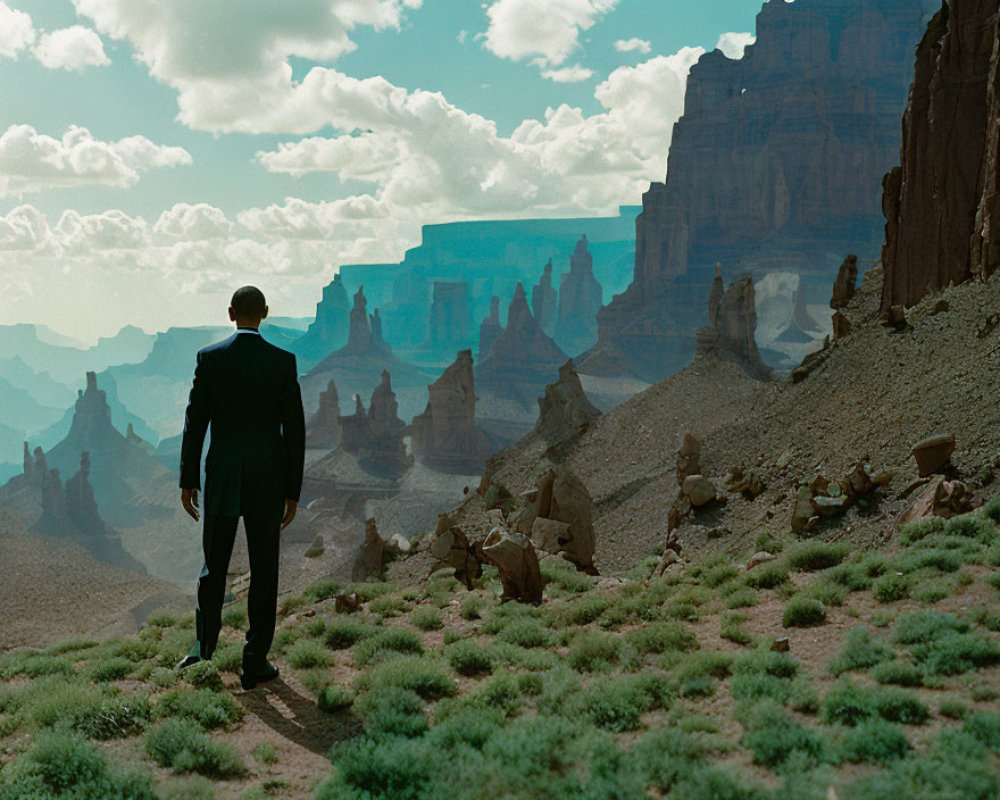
290	508
189	499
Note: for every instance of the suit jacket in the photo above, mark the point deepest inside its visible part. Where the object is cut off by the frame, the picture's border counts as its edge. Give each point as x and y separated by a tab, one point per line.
248	390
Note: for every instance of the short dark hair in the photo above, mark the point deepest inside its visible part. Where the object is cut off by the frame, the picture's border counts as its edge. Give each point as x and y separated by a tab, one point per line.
248	301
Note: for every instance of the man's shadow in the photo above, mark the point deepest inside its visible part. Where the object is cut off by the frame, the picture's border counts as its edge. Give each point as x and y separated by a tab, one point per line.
297	718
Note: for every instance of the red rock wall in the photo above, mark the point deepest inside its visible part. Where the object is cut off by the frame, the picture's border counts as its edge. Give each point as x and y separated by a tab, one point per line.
940	202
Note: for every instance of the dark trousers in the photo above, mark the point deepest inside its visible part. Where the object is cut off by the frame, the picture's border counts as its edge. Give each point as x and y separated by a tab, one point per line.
218	537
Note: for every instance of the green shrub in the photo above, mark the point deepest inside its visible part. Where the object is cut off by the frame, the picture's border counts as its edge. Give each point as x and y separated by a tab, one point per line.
920	529
469	658
163	677
182	746
578	611
60	766
667	756
321	590
340	634
813	555
618	704
203	675
562	573
235	617
388	606
368	591
334	698
984	694
427	618
111	670
228	657
265	753
202	706
916	627
850	704
889	588
392	711
192	787
733	632
774	738
69	646
470	607
981	525
744	597
860	652
499	692
876	741
714	663
985	727
930	590
952	655
511	655
753	687
803	612
661	637
308	654
594	651
525	633
768	575
386	644
53	702
898	673
414	673
953	709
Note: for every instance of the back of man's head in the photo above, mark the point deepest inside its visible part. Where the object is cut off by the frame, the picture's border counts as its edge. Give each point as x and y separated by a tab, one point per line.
248	303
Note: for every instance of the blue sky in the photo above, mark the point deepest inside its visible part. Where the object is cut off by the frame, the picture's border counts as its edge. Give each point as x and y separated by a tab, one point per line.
241	141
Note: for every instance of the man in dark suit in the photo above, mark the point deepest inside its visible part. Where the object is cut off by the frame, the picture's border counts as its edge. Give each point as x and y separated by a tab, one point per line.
248	390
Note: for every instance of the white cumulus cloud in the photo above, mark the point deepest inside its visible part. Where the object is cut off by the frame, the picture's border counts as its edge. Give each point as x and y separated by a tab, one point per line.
17	33
733	44
193	222
229	59
31	161
573	74
73	48
633	45
547	30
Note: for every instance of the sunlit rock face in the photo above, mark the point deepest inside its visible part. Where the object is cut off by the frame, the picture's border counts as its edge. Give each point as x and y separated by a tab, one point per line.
329	330
941	203
775	165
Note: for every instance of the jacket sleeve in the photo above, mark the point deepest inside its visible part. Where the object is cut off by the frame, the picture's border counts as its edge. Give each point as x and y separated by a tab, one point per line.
293	431
196	419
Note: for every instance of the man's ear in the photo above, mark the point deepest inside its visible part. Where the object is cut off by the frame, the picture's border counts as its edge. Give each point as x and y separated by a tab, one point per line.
264	315
232	314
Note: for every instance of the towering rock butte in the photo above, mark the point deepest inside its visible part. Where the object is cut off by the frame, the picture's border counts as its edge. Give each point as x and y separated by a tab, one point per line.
564	412
445	437
774	166
522	360
376	436
329	330
733	335
449	319
941	203
490	328
120	468
544	301
66	512
323	429
580	299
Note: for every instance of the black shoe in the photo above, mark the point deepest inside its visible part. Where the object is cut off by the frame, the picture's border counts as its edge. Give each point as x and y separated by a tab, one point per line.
187	661
249	680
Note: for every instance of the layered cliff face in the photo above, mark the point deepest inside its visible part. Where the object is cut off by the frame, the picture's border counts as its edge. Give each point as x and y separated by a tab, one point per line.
445	437
544	301
774	166
732	334
330	328
580	298
522	360
941	204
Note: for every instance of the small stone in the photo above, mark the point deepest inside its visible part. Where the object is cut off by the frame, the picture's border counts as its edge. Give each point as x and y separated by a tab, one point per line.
699	489
781	645
933	453
829	506
316	549
347	603
759	558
